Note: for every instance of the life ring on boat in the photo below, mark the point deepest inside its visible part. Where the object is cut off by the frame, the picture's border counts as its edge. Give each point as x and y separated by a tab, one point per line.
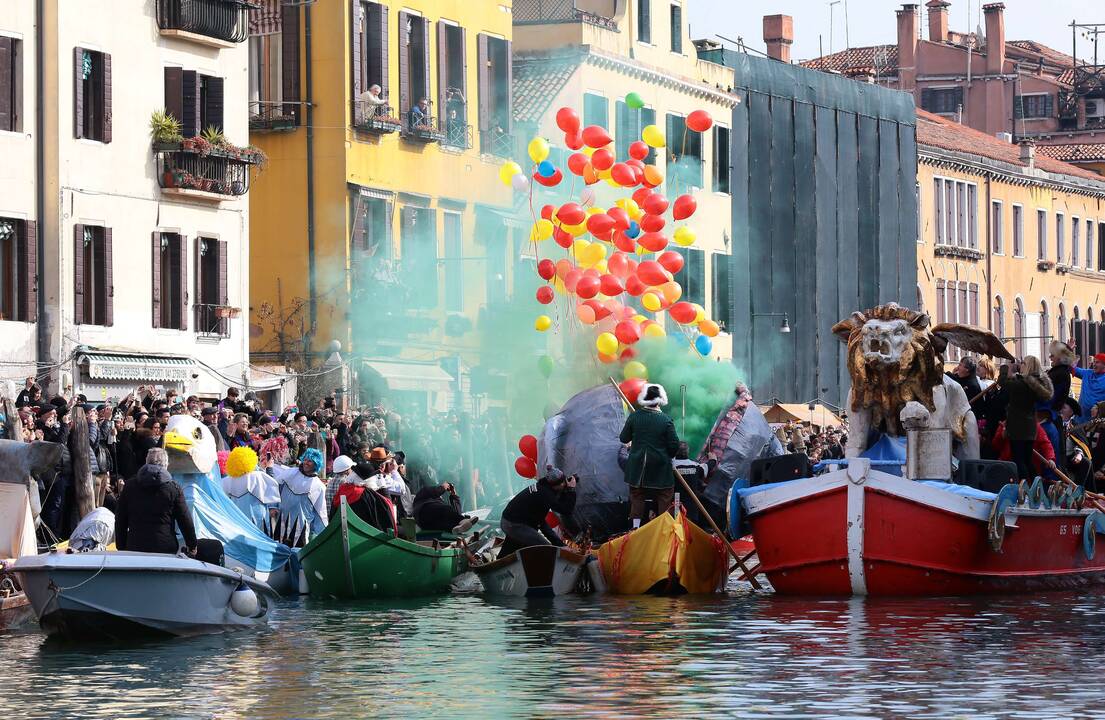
1095	523
1006	498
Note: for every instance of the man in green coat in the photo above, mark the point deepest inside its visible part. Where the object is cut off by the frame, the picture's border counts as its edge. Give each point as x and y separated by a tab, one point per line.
653	444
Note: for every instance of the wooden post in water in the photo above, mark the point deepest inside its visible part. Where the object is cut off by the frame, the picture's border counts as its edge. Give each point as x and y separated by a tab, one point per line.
79	455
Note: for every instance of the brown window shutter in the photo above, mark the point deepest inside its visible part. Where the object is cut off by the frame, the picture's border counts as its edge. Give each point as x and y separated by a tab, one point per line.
108	290
7	80
174	92
28	298
155	288
972	303
464	70
107	99
356	37
78	274
404	66
380	44
191	114
223	297
289	59
508	91
436	112
357	236
78	92
198	286
484	79
182	248
442	67
213	101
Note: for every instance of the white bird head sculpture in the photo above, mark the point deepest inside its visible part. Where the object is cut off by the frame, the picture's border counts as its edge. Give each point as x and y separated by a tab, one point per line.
190	445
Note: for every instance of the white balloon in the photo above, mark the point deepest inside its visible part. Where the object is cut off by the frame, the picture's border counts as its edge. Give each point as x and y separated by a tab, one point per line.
519	182
587	197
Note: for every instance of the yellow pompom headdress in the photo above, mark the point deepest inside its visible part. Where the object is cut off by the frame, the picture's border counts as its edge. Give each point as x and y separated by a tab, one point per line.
241	461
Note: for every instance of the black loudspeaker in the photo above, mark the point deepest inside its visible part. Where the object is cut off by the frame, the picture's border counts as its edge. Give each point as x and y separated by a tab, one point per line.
988	475
209	551
778	469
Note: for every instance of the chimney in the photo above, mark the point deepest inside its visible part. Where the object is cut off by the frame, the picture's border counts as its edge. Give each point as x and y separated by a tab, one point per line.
938	20
995	37
1028	153
907	46
779	36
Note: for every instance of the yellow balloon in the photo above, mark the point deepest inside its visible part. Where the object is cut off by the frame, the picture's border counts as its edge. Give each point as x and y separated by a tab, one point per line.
699	313
655	330
542	323
579	246
651	302
639	319
593	253
538	149
612	182
635	369
558	286
601	264
587	150
507	172
604	174
709	328
593	211
607	343
653	136
542	230
684	236
576	230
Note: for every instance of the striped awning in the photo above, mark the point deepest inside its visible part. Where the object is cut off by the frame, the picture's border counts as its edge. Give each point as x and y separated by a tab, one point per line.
103	366
265	18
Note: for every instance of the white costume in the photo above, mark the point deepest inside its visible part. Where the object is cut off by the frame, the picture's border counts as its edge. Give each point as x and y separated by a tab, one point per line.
254	493
302	501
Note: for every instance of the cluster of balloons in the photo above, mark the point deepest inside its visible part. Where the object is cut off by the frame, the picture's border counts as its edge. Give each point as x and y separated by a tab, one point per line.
526	466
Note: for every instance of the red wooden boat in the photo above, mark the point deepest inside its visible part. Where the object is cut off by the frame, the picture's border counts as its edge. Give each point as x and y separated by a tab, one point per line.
860	531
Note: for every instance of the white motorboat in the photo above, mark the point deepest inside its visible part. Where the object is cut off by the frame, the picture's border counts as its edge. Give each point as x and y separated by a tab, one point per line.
535	571
17	539
119	595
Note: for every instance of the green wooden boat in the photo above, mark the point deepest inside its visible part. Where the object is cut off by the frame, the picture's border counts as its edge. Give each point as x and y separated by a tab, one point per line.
352	559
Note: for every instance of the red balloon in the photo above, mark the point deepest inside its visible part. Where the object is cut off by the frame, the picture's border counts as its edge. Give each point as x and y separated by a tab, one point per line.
571	280
547	211
682	312
671	260
624	243
602	159
600	224
610	285
655	204
627	332
621	218
623	175
640	195
587	287
684	207
632	388
617	266
525	467
527	445
546	269
562	237
576	162
563	267
545	294
638	150
700	121
571	214
601	311
652	223
634	286
652	273
574	140
596	136
567	120
652	241
552	181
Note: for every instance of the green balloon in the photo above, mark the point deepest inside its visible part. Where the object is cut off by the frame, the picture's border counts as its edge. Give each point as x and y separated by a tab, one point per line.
545	365
634	101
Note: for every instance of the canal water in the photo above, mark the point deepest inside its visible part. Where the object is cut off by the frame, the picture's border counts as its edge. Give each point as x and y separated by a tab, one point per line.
464	656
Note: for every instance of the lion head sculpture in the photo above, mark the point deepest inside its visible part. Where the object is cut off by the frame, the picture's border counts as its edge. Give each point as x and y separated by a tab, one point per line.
894	356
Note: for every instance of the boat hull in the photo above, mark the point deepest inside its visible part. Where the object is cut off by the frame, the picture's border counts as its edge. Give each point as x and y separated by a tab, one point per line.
352	559
862	532
126	595
536	571
664	556
15	612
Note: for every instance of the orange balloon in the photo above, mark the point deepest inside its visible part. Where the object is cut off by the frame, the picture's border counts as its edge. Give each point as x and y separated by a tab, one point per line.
671	291
586	314
653	177
589	175
607	359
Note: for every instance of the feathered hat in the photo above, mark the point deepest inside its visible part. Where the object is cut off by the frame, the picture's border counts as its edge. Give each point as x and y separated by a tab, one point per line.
1063	353
652	395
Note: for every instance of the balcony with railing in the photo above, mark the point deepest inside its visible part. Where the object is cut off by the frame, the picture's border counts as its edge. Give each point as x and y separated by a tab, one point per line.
375	119
216	23
214	320
269	116
458	135
497	142
195	169
425	129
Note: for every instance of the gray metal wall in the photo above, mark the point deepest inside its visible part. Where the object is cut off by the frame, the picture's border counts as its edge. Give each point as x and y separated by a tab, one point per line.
824	174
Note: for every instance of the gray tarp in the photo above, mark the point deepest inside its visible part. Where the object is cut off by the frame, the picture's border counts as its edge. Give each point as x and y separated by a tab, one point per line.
751	440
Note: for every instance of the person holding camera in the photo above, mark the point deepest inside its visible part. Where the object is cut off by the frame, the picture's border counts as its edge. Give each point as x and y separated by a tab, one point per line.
524	520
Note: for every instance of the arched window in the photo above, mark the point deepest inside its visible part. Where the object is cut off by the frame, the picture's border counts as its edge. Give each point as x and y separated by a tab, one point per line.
1091	334
1019	328
999	317
921	300
1064	330
1045	330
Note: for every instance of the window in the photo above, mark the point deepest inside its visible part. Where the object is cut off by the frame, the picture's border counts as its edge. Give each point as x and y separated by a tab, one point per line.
494	74
972	216
454	263
1045	328
414	61
942	101
956	205
1018	231
1060	238
170	277
371	236
274	68
194	99
1019	328
644	21
938	205
452	83
997	228
628	126
370	47
419	253
92	276
1101	246
211	286
999	317
1062	327
595	110
1033	106
720	309
721	159
676	28
92	95
18	267
961	215
1041	234
693	275
1089	244
684	167
1074	236
949	212
11	84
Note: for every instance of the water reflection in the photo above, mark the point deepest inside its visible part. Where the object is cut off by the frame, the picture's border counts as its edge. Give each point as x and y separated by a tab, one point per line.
466	656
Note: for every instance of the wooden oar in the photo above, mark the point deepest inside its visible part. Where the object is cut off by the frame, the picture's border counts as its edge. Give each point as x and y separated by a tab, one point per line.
1096	499
982	394
702	509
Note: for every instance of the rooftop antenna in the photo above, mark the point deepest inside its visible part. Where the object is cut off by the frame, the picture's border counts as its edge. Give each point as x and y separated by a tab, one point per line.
832	4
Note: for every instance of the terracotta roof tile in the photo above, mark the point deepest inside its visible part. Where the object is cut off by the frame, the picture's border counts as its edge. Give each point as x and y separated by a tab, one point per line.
853	59
536	83
1074	152
1050	55
935	131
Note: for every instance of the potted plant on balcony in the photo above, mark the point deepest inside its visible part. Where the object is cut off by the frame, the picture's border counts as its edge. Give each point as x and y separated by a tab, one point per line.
165	130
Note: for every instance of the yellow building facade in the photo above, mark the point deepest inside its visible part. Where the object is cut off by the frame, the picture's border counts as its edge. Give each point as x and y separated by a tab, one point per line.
1009	240
369	212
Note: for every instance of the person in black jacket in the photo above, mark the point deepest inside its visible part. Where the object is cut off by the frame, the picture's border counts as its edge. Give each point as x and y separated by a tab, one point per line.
149	508
523	519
